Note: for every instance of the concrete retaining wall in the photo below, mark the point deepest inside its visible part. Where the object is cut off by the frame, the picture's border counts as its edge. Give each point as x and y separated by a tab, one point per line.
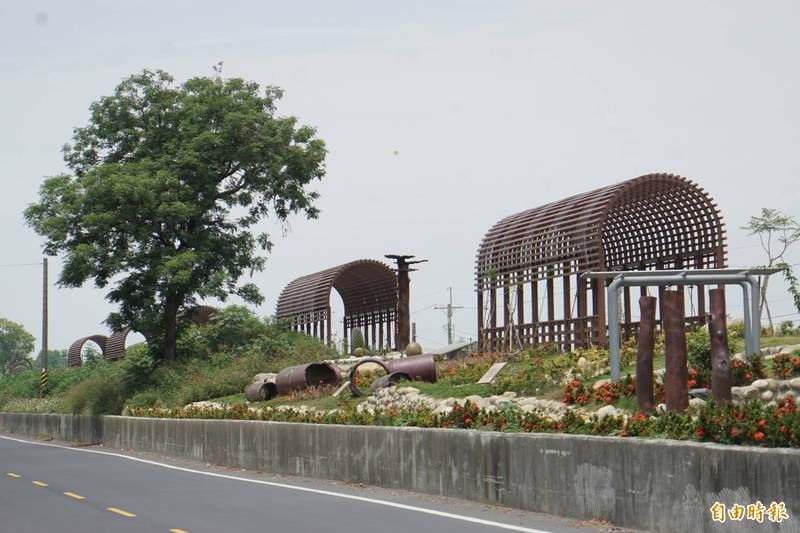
69	428
657	485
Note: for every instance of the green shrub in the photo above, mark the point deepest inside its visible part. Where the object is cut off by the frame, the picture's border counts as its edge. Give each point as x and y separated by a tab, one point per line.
698	349
136	367
97	395
736	329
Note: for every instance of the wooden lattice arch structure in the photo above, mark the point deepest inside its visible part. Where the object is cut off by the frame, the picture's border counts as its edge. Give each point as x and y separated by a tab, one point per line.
653	222
369	293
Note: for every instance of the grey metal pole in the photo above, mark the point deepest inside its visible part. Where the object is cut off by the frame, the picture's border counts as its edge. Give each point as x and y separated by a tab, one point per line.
748	325
613	325
682	278
755	303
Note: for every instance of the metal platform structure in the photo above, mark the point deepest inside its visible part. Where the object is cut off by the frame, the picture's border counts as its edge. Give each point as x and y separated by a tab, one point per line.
746	278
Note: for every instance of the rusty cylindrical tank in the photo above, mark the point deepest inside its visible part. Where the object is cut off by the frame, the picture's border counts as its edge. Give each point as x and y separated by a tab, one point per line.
262	388
304	376
419	367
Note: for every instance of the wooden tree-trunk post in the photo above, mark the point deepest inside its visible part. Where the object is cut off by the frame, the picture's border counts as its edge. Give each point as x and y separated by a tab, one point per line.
644	357
720	353
677	375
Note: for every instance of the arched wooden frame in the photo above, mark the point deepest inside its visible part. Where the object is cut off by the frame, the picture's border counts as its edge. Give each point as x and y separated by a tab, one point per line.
653	222
369	292
74	354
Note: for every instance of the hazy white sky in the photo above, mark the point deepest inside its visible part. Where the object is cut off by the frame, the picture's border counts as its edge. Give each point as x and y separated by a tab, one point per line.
492	108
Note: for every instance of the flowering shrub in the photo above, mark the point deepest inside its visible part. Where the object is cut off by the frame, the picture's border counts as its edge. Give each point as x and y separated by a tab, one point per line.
753	424
466	370
580	392
745	372
786	365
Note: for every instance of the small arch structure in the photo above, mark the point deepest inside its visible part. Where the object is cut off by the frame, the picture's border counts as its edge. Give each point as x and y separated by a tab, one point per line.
113	347
369	293
74	354
535	259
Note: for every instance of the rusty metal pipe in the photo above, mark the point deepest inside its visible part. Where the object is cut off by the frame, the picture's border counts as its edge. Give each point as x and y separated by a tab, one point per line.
677	375
354	371
262	389
419	367
720	352
388	380
308	375
644	355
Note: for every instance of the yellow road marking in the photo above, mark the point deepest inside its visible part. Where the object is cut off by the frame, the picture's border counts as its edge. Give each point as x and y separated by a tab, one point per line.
178	531
73	495
39	483
126	514
12	474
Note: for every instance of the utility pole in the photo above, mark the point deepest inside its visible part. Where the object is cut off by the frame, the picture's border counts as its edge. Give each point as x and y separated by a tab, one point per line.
44	314
449	308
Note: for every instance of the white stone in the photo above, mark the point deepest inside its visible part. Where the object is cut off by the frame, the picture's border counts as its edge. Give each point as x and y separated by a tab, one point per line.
766	395
510	394
773	384
582	363
696	402
600	383
760	384
607	410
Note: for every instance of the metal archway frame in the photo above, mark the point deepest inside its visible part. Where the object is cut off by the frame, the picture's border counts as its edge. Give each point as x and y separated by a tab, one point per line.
653	222
74	357
369	292
746	278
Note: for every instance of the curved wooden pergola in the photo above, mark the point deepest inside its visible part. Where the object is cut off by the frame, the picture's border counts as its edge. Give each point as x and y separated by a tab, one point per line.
653	222
369	292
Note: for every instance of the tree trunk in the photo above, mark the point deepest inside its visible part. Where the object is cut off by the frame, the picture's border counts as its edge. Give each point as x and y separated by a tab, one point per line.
170	326
720	353
765	304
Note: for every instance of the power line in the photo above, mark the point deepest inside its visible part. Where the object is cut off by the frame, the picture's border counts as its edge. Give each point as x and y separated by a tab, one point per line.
20	264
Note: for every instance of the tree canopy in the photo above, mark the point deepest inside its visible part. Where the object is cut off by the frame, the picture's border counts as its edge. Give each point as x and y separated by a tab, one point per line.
167	181
15	345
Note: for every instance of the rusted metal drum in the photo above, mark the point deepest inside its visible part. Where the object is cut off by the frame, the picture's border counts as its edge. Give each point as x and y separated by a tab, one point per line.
419	367
304	376
388	380
262	389
74	354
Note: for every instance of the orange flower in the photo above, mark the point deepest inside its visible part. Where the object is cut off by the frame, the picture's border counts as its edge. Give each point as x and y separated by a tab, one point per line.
759	436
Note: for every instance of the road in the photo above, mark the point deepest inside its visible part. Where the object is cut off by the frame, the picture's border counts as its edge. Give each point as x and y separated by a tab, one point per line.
50	487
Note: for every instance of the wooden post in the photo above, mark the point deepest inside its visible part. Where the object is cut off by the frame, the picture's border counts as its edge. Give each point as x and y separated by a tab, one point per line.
720	353
481	345
328	329
567	303
506	312
626	297
644	356
677	375
44	314
521	308
551	306
535	308
583	307
493	318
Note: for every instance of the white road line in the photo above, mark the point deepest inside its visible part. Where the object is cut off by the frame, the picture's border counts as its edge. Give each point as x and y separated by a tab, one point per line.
481	521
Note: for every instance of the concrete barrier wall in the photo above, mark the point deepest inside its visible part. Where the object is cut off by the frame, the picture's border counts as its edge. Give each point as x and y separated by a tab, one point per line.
69	428
658	485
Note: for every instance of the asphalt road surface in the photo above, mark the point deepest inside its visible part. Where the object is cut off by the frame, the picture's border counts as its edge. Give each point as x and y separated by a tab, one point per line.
48	487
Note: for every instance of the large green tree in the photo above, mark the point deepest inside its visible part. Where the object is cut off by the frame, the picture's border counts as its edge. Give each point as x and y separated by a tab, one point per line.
167	183
15	345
